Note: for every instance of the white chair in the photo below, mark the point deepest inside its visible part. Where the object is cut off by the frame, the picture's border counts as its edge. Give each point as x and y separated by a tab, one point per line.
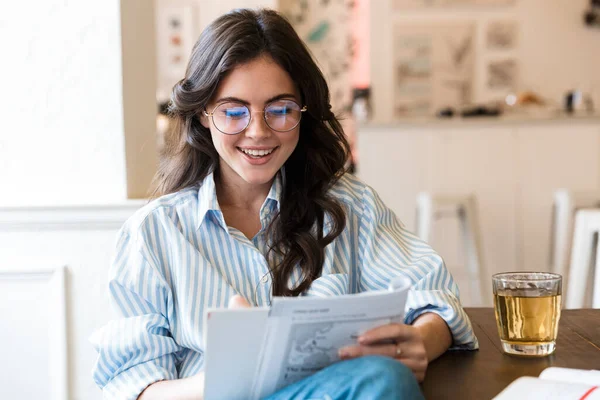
566	203
581	270
431	207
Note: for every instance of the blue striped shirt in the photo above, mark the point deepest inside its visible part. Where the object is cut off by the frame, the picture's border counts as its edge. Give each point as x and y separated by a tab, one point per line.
176	256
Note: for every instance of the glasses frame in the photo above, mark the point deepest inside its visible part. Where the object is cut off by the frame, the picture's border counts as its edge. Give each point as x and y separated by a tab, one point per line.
250	112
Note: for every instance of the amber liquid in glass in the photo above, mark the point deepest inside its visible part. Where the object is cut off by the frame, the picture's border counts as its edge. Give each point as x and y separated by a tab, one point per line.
527	318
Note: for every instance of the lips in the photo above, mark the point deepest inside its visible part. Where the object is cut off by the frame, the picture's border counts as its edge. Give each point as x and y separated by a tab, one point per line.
258	156
257	152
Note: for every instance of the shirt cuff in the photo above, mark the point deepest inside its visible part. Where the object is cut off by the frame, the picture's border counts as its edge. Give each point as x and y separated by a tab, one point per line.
130	383
447	306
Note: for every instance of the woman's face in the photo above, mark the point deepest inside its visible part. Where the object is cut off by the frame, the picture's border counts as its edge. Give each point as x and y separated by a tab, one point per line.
256	154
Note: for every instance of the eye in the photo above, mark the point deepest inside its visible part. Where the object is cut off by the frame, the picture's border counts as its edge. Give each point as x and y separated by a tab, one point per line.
282	107
235	112
232	111
278	110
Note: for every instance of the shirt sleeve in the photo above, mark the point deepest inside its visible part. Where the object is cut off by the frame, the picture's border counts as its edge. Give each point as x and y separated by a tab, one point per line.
136	349
387	249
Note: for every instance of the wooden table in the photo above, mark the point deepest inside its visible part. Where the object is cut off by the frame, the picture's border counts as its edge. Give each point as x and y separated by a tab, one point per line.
484	373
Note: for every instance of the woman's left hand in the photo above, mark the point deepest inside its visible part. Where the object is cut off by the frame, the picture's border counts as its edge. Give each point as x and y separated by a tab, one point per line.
238	301
399	341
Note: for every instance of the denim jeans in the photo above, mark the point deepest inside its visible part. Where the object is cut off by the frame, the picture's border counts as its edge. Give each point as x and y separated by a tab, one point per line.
369	378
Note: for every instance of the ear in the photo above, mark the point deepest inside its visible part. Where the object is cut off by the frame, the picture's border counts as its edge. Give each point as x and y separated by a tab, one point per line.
204	120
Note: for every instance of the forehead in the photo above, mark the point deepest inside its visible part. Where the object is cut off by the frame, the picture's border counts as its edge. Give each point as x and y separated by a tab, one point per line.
256	81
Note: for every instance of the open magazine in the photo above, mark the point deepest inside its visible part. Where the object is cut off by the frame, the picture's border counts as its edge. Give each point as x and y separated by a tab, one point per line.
555	383
251	353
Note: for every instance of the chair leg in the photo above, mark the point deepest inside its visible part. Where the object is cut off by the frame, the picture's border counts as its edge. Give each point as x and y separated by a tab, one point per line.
472	246
596	286
424	216
580	262
561	231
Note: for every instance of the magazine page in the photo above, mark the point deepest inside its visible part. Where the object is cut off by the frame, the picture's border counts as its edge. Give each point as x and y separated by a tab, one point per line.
541	389
230	355
590	377
304	334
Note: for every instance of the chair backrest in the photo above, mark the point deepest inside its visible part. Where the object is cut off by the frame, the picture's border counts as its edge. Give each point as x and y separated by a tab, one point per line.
584	269
464	207
565	204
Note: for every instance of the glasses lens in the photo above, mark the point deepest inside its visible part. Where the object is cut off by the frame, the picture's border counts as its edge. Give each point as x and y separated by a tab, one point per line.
231	118
283	115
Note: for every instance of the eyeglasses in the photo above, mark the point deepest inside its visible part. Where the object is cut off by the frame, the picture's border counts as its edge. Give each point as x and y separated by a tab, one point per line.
232	118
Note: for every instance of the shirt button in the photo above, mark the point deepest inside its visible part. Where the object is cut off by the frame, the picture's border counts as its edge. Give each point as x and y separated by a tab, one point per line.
264	279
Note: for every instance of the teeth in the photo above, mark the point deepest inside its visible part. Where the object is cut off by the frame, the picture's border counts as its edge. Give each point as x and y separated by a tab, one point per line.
257	153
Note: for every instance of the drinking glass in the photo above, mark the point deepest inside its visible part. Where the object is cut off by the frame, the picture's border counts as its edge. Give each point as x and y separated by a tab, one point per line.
527	306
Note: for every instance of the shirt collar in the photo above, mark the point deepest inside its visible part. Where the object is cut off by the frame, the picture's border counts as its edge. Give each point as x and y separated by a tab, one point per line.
207	197
276	189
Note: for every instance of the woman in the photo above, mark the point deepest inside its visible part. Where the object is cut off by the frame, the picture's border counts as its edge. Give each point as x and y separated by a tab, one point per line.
254	204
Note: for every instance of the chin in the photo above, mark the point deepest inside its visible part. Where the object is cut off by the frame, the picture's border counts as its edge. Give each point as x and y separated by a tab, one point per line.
259	177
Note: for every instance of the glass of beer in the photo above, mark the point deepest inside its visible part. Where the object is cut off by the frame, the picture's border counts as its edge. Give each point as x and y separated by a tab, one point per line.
527	306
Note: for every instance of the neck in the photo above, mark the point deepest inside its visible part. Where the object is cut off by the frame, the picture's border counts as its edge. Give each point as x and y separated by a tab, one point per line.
240	194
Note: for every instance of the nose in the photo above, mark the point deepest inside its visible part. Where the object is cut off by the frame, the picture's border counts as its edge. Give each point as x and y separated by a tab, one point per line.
258	127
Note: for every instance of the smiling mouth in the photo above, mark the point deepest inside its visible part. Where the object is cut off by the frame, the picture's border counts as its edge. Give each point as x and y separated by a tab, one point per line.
257	153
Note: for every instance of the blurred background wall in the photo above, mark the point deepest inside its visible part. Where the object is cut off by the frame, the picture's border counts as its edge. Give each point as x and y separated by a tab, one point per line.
65	132
553	50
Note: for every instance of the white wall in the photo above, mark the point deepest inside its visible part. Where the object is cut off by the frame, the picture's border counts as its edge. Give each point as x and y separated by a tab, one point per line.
81	239
62	126
558	52
555	51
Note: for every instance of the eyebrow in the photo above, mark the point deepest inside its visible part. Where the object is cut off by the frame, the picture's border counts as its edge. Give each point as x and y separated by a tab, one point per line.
238	100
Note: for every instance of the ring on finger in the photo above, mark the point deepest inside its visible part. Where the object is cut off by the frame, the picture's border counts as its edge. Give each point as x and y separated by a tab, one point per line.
398	350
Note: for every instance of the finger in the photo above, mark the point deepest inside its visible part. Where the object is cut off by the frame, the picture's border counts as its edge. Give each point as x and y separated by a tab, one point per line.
388	350
398	351
238	301
398	332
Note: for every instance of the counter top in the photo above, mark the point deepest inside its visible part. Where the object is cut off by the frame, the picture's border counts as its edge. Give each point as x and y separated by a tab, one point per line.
506	119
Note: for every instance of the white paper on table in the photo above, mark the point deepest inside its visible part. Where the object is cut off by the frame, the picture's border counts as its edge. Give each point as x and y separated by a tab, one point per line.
531	388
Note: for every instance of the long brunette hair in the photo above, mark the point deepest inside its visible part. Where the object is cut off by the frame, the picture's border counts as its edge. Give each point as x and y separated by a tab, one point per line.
315	165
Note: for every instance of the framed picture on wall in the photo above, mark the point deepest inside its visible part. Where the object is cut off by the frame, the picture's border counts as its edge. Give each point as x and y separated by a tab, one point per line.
501	35
433	66
502	75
